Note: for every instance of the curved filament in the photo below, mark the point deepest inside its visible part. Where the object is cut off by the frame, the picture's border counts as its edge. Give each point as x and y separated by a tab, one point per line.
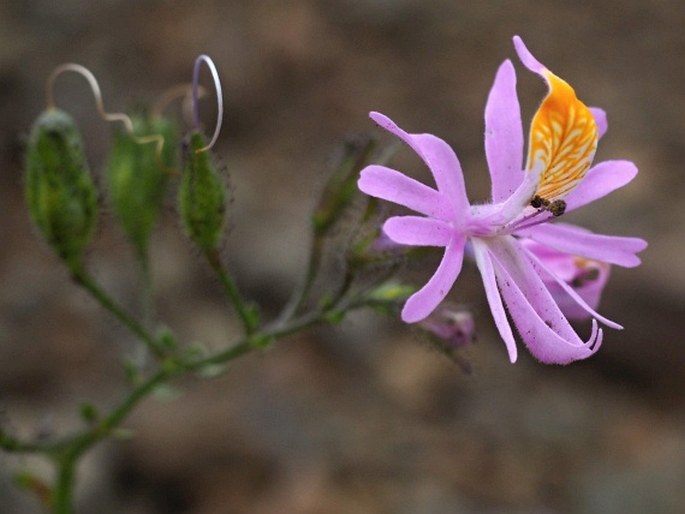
107	116
219	98
184	91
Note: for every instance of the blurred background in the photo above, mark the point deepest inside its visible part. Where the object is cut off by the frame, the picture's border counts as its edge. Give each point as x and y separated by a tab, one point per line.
361	418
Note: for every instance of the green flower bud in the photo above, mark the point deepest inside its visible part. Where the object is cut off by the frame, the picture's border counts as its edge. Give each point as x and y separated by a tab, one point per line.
137	177
389	296
341	187
60	193
202	197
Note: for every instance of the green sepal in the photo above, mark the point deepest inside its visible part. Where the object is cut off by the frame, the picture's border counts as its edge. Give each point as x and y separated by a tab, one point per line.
28	481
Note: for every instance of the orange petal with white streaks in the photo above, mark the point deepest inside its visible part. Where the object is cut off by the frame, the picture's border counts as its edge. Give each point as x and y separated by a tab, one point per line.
563	139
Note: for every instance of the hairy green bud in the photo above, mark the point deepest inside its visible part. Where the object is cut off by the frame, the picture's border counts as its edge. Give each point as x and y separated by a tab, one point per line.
341	186
137	176
202	196
60	193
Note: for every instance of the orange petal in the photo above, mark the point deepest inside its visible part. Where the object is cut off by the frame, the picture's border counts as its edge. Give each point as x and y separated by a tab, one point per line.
563	140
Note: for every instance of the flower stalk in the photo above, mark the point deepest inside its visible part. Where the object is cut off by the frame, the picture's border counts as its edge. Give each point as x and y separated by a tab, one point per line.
87	282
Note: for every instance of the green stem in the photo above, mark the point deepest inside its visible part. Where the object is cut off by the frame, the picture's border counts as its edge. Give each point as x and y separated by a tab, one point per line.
66	460
82	278
148	304
13	445
249	344
232	292
300	294
62	502
67	451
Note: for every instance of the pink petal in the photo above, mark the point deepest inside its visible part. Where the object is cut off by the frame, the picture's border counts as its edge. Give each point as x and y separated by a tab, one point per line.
567	268
393	186
569	291
541	324
512	207
425	300
590	292
504	134
600	116
561	264
527	58
440	159
418	231
599	181
583	243
487	272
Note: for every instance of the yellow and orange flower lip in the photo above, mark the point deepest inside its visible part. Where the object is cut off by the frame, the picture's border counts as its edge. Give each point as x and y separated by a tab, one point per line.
563	134
563	140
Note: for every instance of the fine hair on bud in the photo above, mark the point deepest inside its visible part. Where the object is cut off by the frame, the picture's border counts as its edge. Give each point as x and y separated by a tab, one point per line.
60	192
137	176
202	195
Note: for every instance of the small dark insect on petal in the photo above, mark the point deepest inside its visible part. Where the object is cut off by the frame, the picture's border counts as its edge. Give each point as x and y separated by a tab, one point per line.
538	202
557	207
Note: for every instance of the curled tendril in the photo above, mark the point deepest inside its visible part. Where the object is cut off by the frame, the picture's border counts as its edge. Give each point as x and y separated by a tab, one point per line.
219	98
184	91
158	139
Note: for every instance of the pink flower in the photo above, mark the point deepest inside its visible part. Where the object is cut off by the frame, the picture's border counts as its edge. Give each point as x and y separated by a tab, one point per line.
557	178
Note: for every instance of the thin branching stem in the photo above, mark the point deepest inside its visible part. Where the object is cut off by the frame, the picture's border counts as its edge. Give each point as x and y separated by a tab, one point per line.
82	278
231	290
66	452
304	286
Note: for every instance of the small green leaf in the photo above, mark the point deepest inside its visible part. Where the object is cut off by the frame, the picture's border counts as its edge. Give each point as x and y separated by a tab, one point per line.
89	413
211	371
36	485
262	341
166	338
252	316
335	317
123	434
133	375
167	393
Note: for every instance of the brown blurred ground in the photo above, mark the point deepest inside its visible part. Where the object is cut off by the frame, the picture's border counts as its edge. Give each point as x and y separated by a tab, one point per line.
361	419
